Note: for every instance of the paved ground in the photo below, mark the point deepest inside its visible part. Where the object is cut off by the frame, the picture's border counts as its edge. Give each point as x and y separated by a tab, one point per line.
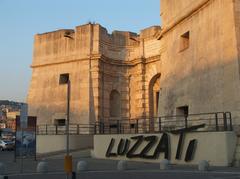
106	169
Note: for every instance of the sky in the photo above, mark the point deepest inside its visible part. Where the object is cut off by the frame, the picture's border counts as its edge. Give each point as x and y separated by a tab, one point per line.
21	19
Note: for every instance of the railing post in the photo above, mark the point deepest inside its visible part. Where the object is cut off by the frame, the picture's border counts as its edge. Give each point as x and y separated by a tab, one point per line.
56	129
149	125
46	129
78	131
74	175
118	127
95	128
160	124
100	128
225	122
136	128
216	121
103	128
230	118
109	129
186	121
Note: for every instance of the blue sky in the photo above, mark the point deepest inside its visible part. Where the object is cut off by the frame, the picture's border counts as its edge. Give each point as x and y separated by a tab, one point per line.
21	19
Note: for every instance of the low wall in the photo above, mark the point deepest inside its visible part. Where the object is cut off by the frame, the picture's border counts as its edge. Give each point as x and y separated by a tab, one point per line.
216	147
54	143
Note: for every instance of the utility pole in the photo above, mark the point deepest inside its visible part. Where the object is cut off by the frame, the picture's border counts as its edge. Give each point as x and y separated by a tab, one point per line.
64	79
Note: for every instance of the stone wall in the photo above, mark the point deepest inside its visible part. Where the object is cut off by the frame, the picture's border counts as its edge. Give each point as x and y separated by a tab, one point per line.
173	10
98	63
204	76
237	25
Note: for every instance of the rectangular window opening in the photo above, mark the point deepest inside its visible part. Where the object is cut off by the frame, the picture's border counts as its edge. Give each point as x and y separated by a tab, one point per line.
64	78
184	41
182	111
60	122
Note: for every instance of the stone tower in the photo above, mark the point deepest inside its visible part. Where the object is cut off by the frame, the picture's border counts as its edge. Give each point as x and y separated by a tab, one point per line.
110	74
201	56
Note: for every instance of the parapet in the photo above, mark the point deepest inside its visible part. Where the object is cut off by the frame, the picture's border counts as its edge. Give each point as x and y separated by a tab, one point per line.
173	11
51	45
89	39
150	32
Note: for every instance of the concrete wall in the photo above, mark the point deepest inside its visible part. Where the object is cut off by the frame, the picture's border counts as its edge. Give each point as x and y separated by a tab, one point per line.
216	147
55	143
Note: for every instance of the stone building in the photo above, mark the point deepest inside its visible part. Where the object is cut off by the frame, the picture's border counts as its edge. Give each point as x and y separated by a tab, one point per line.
110	74
200	55
189	65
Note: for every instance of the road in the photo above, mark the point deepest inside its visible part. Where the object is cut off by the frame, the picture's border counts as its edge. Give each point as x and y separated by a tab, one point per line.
106	169
135	174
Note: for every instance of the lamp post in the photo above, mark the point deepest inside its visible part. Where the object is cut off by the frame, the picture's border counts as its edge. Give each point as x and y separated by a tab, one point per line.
63	80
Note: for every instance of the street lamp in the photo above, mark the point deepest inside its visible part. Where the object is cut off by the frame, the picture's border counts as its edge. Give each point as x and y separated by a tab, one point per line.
63	80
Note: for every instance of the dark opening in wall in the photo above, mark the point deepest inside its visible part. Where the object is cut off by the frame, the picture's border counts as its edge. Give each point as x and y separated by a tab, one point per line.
64	78
115	104
184	41
60	122
182	111
157	100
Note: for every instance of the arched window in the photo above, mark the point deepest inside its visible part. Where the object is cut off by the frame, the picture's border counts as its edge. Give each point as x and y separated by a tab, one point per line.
115	104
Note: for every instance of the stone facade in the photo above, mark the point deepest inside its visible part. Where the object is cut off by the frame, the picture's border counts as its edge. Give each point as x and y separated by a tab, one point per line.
109	73
205	75
191	61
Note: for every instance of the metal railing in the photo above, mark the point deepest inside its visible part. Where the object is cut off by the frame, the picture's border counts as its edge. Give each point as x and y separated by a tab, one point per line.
218	121
74	129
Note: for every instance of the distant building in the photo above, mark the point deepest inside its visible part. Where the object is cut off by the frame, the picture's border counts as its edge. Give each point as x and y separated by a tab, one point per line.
1	114
8	112
2	125
11	115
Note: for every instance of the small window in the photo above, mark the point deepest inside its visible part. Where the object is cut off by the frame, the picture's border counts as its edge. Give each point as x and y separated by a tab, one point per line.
132	126
64	78
60	122
184	41
182	111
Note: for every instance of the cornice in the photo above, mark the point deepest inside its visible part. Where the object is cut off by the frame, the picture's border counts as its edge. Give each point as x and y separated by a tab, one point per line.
184	17
104	59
